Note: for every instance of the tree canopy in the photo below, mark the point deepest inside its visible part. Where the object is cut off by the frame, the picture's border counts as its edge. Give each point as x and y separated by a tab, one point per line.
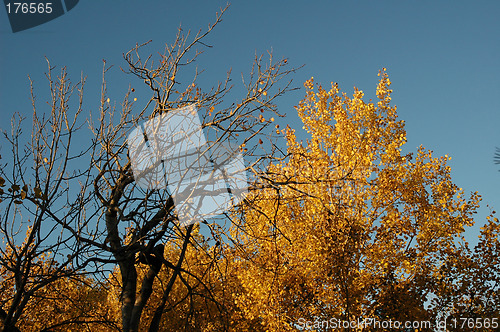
342	227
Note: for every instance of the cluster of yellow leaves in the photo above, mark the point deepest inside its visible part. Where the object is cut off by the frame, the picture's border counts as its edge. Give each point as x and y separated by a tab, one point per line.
65	304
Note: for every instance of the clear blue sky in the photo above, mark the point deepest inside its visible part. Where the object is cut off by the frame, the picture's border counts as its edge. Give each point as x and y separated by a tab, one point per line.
442	57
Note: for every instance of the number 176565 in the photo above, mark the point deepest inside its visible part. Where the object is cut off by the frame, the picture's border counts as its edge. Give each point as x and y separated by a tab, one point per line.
29	8
475	323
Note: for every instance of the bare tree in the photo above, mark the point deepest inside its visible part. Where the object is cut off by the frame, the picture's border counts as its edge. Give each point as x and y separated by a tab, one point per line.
86	219
47	195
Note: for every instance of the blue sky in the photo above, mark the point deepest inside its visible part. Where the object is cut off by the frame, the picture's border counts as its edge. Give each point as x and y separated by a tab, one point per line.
442	57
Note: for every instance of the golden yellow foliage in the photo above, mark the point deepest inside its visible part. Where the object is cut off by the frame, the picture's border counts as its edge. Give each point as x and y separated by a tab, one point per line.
347	227
359	229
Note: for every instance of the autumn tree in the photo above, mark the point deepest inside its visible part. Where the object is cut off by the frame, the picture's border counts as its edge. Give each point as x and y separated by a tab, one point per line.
82	206
350	227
